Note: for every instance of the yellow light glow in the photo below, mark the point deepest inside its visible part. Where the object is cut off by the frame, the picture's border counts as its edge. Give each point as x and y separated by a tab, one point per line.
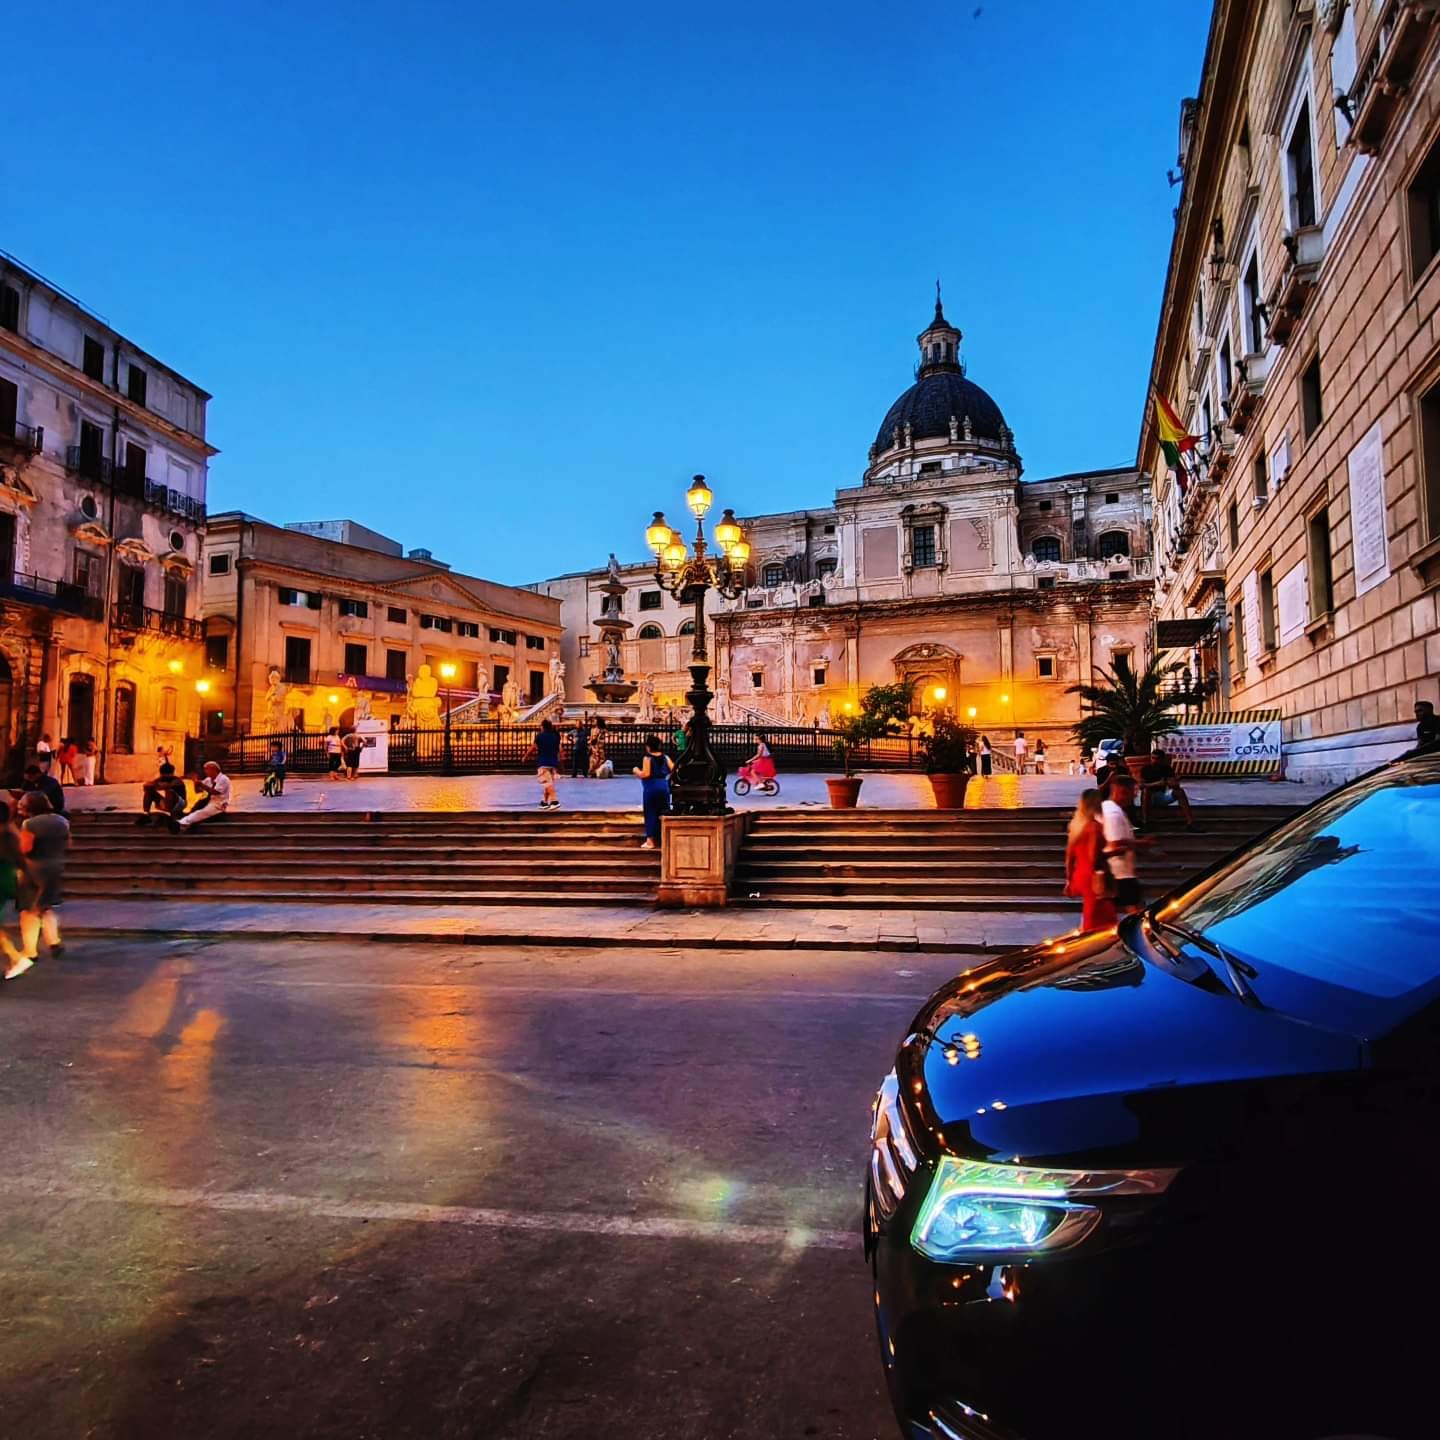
334	699
176	666
447	670
1004	699
674	555
658	534
699	497
939	692
849	708
202	687
972	712
740	552
727	532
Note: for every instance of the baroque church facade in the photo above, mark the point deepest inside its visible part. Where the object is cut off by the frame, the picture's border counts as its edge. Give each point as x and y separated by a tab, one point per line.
990	593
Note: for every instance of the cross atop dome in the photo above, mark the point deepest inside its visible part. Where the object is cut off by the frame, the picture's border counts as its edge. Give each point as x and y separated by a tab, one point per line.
939	344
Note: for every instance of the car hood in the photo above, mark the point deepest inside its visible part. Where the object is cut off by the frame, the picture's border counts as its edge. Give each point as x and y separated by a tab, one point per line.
1077	1047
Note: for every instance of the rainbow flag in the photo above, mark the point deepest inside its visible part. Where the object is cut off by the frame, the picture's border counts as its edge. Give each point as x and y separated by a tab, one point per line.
1175	439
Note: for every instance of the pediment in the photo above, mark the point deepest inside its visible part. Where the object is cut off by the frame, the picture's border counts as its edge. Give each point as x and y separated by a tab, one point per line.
434	589
930	651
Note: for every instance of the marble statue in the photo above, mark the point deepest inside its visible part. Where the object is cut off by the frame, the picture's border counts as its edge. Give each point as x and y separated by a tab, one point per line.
645	699
482	680
822	717
362	706
613	568
613	668
422	708
510	700
557	676
275	704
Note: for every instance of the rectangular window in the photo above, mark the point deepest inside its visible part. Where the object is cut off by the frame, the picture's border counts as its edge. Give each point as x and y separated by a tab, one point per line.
220	563
93	360
137	381
9	406
757	679
1232	523
136	458
436	622
922	547
360	609
817	675
1045	667
9	308
498	679
584	647
297	660
92	444
217	652
1261	479
829	529
1311	405
1112	498
1322	591
1429	407
1227	373
827	566
287	596
397	615
357	659
534	642
395	661
537	686
1268	621
1300	171
1237	636
1046	505
1422	198
651	599
177	592
169	703
467	628
501	637
1045	582
89	571
1251	301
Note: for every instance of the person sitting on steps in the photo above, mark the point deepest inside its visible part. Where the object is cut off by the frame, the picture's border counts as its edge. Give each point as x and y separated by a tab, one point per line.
165	793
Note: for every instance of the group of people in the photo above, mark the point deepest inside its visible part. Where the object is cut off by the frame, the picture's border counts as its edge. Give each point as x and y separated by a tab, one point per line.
342	755
653	771
34	836
166	798
588	760
73	761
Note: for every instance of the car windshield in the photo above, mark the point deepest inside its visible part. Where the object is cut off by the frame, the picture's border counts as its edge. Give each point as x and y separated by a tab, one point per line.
1348	894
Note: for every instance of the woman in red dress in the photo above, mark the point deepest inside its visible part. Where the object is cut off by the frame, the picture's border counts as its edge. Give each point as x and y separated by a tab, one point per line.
1086	875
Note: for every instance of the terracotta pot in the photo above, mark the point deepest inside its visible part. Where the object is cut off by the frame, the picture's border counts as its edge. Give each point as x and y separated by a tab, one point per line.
949	791
844	792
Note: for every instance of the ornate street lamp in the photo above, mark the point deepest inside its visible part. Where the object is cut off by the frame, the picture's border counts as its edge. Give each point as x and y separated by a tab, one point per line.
687	574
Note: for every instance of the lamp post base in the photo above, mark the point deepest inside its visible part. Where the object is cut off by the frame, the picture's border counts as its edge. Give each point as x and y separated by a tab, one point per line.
699	787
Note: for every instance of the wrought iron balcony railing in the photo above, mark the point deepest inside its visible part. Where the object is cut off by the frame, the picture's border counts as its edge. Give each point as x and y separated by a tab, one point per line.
145	617
51	595
29	438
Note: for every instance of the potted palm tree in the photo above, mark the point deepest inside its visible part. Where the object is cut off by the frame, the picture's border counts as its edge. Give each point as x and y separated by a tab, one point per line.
1129	707
947	751
882	707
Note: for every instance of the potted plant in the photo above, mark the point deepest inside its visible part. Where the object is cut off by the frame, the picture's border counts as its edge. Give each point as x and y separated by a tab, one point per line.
947	748
882	707
1129	707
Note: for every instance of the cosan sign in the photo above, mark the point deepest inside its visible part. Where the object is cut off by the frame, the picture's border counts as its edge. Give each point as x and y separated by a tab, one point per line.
1248	745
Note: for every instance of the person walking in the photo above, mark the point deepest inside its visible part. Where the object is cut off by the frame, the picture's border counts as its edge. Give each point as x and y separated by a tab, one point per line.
44	838
654	775
1022	751
580	758
214	798
66	758
1039	757
352	746
334	752
547	762
1121	842
12	862
986	763
1087	877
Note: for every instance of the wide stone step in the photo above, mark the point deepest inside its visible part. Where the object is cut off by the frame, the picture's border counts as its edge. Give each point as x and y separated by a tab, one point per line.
224	868
259	884
824	899
177	849
394	897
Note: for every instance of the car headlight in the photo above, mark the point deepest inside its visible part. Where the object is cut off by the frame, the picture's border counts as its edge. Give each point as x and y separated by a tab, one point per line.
975	1210
892	1155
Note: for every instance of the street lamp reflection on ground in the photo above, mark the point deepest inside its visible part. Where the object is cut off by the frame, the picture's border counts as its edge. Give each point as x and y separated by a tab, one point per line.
687	574
447	674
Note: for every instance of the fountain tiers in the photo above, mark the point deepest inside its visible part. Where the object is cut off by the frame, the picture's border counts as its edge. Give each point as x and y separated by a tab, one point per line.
611	687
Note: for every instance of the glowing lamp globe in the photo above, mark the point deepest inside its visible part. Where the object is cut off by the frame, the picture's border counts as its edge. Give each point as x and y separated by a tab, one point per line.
939	693
727	532
699	497
447	671
658	534
674	556
740	552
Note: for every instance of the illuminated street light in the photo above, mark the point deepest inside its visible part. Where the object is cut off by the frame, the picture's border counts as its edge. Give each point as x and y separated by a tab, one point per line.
202	687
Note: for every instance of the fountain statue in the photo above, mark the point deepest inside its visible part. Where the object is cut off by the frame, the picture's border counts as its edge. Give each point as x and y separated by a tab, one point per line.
611	686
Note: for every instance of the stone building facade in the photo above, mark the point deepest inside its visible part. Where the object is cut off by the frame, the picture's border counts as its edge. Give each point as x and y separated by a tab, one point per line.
335	619
1299	338
103	467
941	566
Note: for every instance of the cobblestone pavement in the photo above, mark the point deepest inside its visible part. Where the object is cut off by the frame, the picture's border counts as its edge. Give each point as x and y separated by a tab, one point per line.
520	792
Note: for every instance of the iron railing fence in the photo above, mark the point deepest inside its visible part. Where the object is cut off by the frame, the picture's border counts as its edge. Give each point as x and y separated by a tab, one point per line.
492	749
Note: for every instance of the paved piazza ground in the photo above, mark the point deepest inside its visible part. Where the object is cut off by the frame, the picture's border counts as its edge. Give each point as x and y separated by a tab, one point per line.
264	1190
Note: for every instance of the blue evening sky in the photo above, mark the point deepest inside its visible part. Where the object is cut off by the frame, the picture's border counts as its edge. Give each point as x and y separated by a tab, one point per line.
497	279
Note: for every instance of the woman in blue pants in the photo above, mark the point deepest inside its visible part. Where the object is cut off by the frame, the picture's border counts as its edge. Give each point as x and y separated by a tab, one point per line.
654	773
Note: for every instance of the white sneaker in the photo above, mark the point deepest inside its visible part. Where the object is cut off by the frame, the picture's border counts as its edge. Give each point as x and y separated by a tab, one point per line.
18	966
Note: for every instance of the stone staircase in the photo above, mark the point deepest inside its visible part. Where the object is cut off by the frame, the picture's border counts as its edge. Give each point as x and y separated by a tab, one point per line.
487	858
958	860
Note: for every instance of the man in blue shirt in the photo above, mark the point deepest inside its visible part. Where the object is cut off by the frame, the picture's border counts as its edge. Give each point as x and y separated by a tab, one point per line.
547	761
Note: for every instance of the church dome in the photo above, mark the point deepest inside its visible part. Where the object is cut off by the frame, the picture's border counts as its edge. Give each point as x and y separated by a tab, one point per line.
930	402
941	401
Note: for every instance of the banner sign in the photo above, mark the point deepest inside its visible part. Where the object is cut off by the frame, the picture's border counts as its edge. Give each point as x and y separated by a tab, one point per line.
1241	742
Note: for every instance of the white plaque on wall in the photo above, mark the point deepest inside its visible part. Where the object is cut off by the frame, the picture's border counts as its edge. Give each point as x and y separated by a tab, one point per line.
1280	462
1367	512
1294	601
1251	596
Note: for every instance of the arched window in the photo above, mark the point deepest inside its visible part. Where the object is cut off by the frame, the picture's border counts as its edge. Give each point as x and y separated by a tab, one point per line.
650	632
1046	549
124	741
688	628
1113	543
772	575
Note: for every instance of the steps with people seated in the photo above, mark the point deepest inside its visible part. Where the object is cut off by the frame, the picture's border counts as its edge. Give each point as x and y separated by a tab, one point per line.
962	859
414	858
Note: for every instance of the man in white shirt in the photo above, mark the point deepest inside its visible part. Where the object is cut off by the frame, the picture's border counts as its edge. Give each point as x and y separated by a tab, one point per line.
1121	842
1022	749
214	797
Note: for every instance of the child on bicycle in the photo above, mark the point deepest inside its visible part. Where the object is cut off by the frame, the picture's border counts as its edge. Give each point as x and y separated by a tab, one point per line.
760	766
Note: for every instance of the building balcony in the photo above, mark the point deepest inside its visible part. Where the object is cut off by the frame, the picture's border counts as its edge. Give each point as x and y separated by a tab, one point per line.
174	502
24	440
56	595
1220	458
1385	72
134	618
1245	392
133	483
1304	250
88	464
